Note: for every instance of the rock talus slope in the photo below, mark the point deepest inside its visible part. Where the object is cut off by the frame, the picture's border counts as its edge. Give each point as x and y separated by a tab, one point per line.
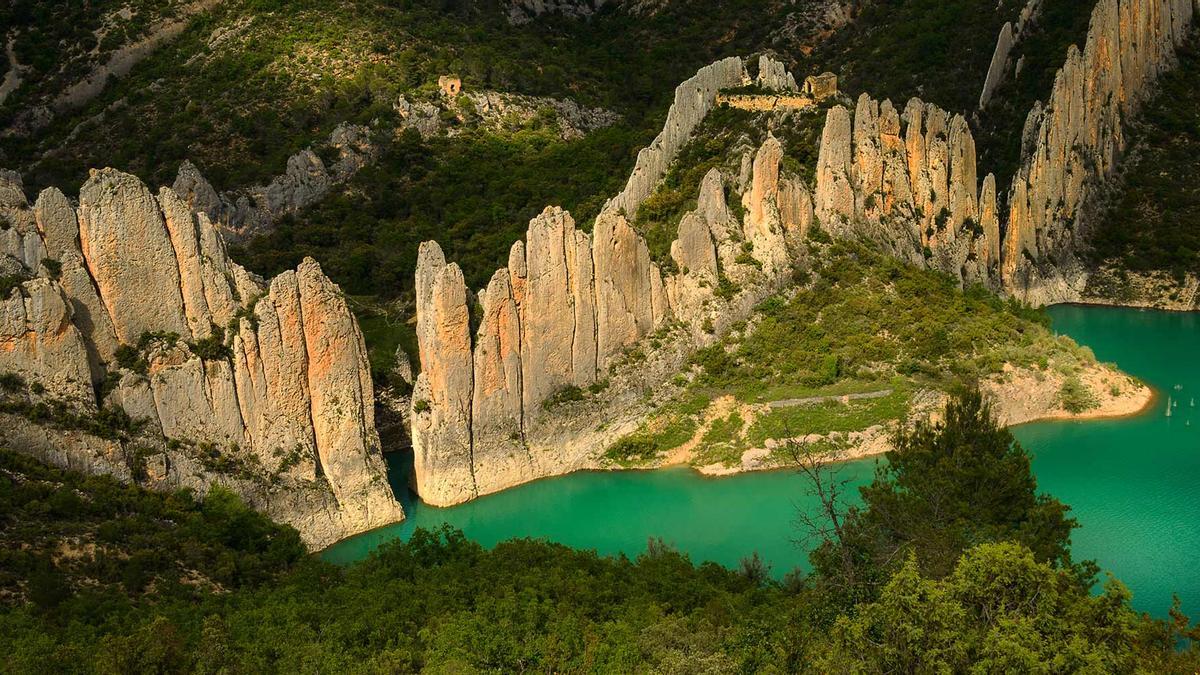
261	386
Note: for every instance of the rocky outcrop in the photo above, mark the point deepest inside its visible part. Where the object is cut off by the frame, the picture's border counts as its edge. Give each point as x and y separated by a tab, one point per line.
243	213
262	386
511	112
1011	34
1075	140
694	98
774	75
908	181
524	11
492	406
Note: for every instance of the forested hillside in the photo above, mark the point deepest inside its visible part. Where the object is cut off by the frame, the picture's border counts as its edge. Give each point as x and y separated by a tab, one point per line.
955	560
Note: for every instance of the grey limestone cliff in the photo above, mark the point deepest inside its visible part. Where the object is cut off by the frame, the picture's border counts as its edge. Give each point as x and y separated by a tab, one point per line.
570	308
134	304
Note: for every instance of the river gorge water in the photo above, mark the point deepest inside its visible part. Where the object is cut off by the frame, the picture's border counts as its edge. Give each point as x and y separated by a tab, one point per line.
1133	483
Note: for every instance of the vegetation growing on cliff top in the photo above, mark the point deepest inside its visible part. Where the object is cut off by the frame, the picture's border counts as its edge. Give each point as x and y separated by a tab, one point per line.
954	564
863	323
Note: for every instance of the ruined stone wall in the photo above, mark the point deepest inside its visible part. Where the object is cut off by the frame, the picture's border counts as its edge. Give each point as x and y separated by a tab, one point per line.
273	377
765	102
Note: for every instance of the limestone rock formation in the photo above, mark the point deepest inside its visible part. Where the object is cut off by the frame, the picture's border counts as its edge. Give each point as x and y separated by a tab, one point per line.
694	98
445	387
1011	34
569	308
562	315
999	64
272	378
774	75
1076	138
524	11
908	182
306	179
39	344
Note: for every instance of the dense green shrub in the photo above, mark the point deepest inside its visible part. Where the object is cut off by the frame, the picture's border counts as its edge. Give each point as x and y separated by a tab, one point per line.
1075	396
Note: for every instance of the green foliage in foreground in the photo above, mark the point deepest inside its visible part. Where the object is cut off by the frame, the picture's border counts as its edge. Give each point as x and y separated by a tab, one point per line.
945	488
999	611
444	604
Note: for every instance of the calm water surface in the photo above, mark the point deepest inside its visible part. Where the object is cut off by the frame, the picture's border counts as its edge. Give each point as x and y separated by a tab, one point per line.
1134	484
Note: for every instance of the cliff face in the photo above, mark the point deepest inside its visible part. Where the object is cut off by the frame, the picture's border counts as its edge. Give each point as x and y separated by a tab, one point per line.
1011	35
570	309
503	369
909	181
1073	142
694	98
137	306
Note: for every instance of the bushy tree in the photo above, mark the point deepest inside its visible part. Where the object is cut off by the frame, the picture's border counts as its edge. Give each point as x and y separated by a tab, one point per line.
999	610
945	488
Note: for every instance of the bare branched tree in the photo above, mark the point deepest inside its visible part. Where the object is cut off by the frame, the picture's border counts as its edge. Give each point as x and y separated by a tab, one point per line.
827	524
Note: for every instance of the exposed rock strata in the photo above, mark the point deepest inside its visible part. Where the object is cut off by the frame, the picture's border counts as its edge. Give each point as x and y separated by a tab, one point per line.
1011	35
906	180
909	181
269	377
694	98
246	212
1075	141
492	406
524	11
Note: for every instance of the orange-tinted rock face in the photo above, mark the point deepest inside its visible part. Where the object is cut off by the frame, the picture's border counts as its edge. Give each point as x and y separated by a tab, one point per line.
1076	138
567	307
292	394
129	254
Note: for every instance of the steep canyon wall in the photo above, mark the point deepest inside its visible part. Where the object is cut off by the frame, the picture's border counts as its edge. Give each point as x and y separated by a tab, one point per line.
908	180
135	305
570	305
563	313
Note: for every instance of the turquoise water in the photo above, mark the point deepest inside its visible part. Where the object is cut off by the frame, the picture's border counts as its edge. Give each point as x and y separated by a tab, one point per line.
1134	484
